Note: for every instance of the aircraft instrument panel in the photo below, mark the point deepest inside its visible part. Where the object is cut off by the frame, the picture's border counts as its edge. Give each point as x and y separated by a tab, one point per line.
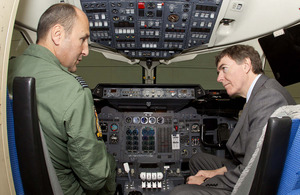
144	29
155	133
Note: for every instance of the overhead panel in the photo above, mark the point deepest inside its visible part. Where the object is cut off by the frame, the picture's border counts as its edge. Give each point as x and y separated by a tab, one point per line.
151	29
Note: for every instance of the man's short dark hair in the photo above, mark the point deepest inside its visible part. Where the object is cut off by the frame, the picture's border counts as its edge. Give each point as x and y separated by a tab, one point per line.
239	53
60	13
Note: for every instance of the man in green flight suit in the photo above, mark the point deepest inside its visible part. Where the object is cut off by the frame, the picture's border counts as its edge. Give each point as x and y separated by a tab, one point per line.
65	103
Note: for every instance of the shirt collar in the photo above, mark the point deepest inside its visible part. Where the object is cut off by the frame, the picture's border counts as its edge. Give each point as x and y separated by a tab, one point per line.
44	53
251	87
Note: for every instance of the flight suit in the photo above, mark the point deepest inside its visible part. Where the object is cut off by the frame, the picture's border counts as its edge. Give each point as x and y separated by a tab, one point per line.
66	113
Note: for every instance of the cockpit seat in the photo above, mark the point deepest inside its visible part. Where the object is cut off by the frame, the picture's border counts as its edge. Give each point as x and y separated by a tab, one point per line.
290	179
276	159
36	169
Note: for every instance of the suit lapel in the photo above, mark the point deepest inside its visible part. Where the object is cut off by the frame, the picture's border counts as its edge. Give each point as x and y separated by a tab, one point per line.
238	127
260	82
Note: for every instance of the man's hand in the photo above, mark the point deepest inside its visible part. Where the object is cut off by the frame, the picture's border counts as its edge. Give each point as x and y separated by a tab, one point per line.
198	180
203	175
211	173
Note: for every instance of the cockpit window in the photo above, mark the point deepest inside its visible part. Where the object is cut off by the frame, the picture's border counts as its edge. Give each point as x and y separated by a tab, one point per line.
18	43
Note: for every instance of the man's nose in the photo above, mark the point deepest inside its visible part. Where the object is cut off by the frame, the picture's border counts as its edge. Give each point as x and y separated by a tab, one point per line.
220	77
85	50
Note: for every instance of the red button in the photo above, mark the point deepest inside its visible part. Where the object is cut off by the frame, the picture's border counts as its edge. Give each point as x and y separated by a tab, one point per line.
141	5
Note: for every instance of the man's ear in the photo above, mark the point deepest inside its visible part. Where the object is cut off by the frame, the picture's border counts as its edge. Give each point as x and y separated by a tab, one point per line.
57	32
247	66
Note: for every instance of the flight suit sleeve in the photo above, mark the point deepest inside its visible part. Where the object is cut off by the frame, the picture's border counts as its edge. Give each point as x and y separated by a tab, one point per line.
87	155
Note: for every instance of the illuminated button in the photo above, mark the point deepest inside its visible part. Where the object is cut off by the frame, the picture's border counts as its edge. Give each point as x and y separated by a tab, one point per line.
141	5
143	176
154	185
105	23
159	185
148	176
159	176
102	16
97	17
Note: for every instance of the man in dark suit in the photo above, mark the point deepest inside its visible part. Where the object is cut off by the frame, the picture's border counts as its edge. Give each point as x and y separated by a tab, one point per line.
240	71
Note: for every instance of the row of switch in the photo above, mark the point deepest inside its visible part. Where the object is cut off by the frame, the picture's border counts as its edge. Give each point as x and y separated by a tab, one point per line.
151	176
149	53
150	33
101	34
124	30
204	15
99	24
151	185
123	11
202	24
199	36
174	35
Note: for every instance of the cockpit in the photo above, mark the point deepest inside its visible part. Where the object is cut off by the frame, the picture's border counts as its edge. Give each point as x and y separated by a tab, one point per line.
152	74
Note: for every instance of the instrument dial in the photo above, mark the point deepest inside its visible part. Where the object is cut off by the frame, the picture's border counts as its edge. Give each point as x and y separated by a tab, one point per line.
160	120
152	120
136	120
144	120
114	127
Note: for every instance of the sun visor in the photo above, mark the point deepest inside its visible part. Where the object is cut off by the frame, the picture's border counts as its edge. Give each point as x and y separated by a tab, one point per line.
282	50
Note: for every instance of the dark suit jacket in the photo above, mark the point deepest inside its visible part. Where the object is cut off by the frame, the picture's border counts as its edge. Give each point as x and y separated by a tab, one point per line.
267	95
